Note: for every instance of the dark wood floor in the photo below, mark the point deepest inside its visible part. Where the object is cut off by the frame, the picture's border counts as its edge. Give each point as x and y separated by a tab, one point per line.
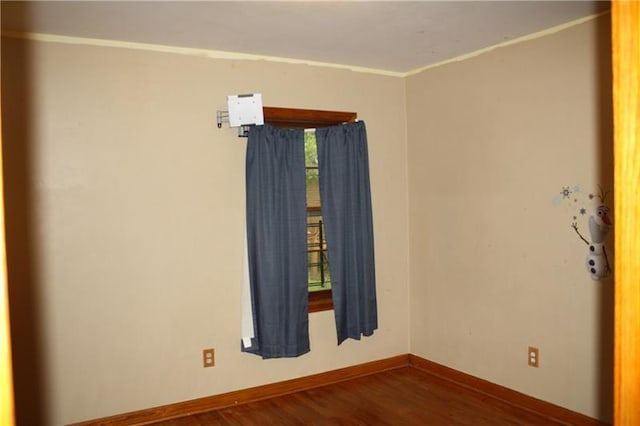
405	396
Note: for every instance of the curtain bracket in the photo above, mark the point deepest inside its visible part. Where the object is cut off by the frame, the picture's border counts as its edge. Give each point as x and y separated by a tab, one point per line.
223	117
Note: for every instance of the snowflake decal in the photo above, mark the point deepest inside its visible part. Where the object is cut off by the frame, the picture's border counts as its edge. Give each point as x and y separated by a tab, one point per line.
565	192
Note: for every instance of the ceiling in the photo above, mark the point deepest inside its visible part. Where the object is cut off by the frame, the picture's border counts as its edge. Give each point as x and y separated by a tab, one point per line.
388	36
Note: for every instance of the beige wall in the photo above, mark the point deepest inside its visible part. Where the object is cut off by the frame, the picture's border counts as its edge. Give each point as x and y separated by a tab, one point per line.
495	267
132	201
125	207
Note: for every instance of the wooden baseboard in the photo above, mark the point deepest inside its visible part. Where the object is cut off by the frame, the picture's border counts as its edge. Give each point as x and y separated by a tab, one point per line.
167	412
553	412
230	399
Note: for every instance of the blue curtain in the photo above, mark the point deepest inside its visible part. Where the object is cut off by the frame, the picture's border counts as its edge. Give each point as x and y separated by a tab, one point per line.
345	196
276	240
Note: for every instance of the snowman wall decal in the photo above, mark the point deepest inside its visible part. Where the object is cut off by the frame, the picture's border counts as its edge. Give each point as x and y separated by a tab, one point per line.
597	261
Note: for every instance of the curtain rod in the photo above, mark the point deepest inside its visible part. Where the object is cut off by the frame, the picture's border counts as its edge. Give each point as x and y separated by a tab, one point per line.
243	131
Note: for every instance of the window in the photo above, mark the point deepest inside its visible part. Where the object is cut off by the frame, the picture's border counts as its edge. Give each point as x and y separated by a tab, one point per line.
318	260
320	298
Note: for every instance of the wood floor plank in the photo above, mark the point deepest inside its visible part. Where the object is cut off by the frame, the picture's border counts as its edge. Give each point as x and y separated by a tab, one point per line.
404	396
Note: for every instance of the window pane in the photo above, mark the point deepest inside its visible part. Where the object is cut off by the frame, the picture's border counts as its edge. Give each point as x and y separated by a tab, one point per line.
310	149
311	163
317	259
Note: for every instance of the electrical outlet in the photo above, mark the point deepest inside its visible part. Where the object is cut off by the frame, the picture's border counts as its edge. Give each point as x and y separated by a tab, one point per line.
533	357
208	358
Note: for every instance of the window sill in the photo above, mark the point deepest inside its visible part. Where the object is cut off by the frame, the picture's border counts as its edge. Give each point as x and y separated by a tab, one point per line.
320	301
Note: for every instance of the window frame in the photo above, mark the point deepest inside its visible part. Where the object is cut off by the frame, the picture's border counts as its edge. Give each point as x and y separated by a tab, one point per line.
320	300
